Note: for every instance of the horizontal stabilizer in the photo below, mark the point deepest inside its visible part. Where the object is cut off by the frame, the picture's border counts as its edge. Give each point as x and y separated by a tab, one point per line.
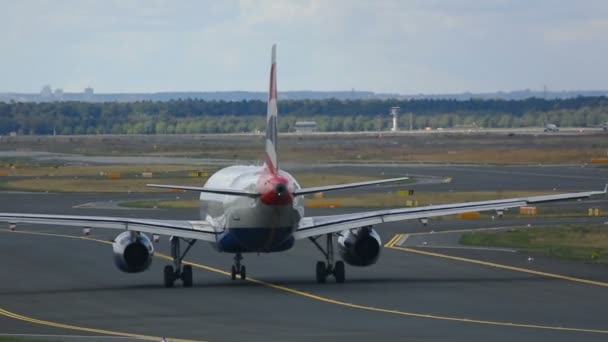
232	192
316	189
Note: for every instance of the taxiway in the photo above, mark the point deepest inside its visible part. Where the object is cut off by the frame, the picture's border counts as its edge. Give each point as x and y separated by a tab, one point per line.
58	282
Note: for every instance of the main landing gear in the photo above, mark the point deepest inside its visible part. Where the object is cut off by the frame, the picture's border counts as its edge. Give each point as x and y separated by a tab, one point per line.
327	267
237	268
177	271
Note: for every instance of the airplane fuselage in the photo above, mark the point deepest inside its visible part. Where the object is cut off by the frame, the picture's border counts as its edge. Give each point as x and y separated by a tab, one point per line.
551	128
245	224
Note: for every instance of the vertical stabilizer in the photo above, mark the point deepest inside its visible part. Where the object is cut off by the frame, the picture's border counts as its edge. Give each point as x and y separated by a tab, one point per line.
271	117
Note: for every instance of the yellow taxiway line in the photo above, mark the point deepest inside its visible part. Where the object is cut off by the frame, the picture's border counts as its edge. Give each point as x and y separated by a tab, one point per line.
390	244
395	312
90	330
13	315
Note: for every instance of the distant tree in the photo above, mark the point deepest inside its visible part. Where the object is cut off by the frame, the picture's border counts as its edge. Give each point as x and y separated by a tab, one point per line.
189	115
348	124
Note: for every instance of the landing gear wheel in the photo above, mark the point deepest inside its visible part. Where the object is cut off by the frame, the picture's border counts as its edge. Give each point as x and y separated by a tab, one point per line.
187	275
169	276
321	272
233	272
177	271
339	272
327	267
237	268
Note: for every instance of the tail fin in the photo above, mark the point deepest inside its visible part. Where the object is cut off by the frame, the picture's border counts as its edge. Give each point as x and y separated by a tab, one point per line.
271	117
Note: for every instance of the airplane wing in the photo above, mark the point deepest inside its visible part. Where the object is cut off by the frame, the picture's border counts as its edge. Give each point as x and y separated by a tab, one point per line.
319	225
199	230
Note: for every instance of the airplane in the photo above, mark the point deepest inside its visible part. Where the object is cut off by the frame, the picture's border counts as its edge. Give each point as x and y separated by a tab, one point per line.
259	209
604	126
550	127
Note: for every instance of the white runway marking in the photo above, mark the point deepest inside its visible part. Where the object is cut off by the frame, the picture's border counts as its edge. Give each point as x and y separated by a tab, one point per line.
468	248
85	205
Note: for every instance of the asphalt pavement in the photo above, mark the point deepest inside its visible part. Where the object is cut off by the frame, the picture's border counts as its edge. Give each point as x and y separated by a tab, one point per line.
56	282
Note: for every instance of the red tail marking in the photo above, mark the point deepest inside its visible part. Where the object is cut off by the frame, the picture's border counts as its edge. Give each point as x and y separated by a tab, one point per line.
269	165
267	187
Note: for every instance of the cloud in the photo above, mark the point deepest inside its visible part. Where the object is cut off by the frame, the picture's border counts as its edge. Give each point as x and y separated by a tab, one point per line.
268	12
591	31
384	45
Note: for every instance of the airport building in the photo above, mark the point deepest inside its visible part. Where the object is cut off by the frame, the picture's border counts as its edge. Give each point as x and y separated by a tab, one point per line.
305	126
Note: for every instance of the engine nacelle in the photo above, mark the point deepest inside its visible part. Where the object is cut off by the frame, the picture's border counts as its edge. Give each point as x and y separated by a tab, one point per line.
133	252
360	247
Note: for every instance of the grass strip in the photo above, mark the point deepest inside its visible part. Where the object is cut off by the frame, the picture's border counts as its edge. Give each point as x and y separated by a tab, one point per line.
587	243
86	180
33	169
94	185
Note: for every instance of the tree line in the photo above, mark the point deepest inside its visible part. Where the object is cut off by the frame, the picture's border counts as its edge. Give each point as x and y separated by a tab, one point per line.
199	116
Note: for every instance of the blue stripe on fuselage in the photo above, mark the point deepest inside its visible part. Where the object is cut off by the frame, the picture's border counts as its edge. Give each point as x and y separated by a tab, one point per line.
264	240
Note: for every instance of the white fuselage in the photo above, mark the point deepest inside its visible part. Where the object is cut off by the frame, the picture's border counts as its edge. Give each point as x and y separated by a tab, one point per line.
247	224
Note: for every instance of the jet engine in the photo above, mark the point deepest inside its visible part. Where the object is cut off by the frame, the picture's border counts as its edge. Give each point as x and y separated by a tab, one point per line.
360	246
133	252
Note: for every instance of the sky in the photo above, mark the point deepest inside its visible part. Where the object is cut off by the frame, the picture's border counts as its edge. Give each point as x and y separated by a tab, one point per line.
405	47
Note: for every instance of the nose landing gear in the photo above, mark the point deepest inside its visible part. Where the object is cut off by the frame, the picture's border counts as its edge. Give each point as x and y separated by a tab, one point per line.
237	268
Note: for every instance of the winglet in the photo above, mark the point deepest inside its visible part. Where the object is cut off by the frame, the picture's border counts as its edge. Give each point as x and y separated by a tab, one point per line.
606	189
271	117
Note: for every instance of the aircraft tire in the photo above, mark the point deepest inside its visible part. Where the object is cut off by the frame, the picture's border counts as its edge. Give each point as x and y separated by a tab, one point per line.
187	275
233	272
321	271
243	273
339	272
169	276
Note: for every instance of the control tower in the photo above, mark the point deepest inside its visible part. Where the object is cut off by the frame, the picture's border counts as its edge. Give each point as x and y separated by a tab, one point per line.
395	115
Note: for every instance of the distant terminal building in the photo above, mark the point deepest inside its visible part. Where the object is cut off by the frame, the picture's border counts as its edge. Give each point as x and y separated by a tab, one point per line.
58	94
46	94
305	126
88	93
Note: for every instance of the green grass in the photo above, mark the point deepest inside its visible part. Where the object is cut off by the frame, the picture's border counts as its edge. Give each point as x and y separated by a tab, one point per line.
94	179
575	242
394	199
378	147
73	185
45	169
320	179
165	204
